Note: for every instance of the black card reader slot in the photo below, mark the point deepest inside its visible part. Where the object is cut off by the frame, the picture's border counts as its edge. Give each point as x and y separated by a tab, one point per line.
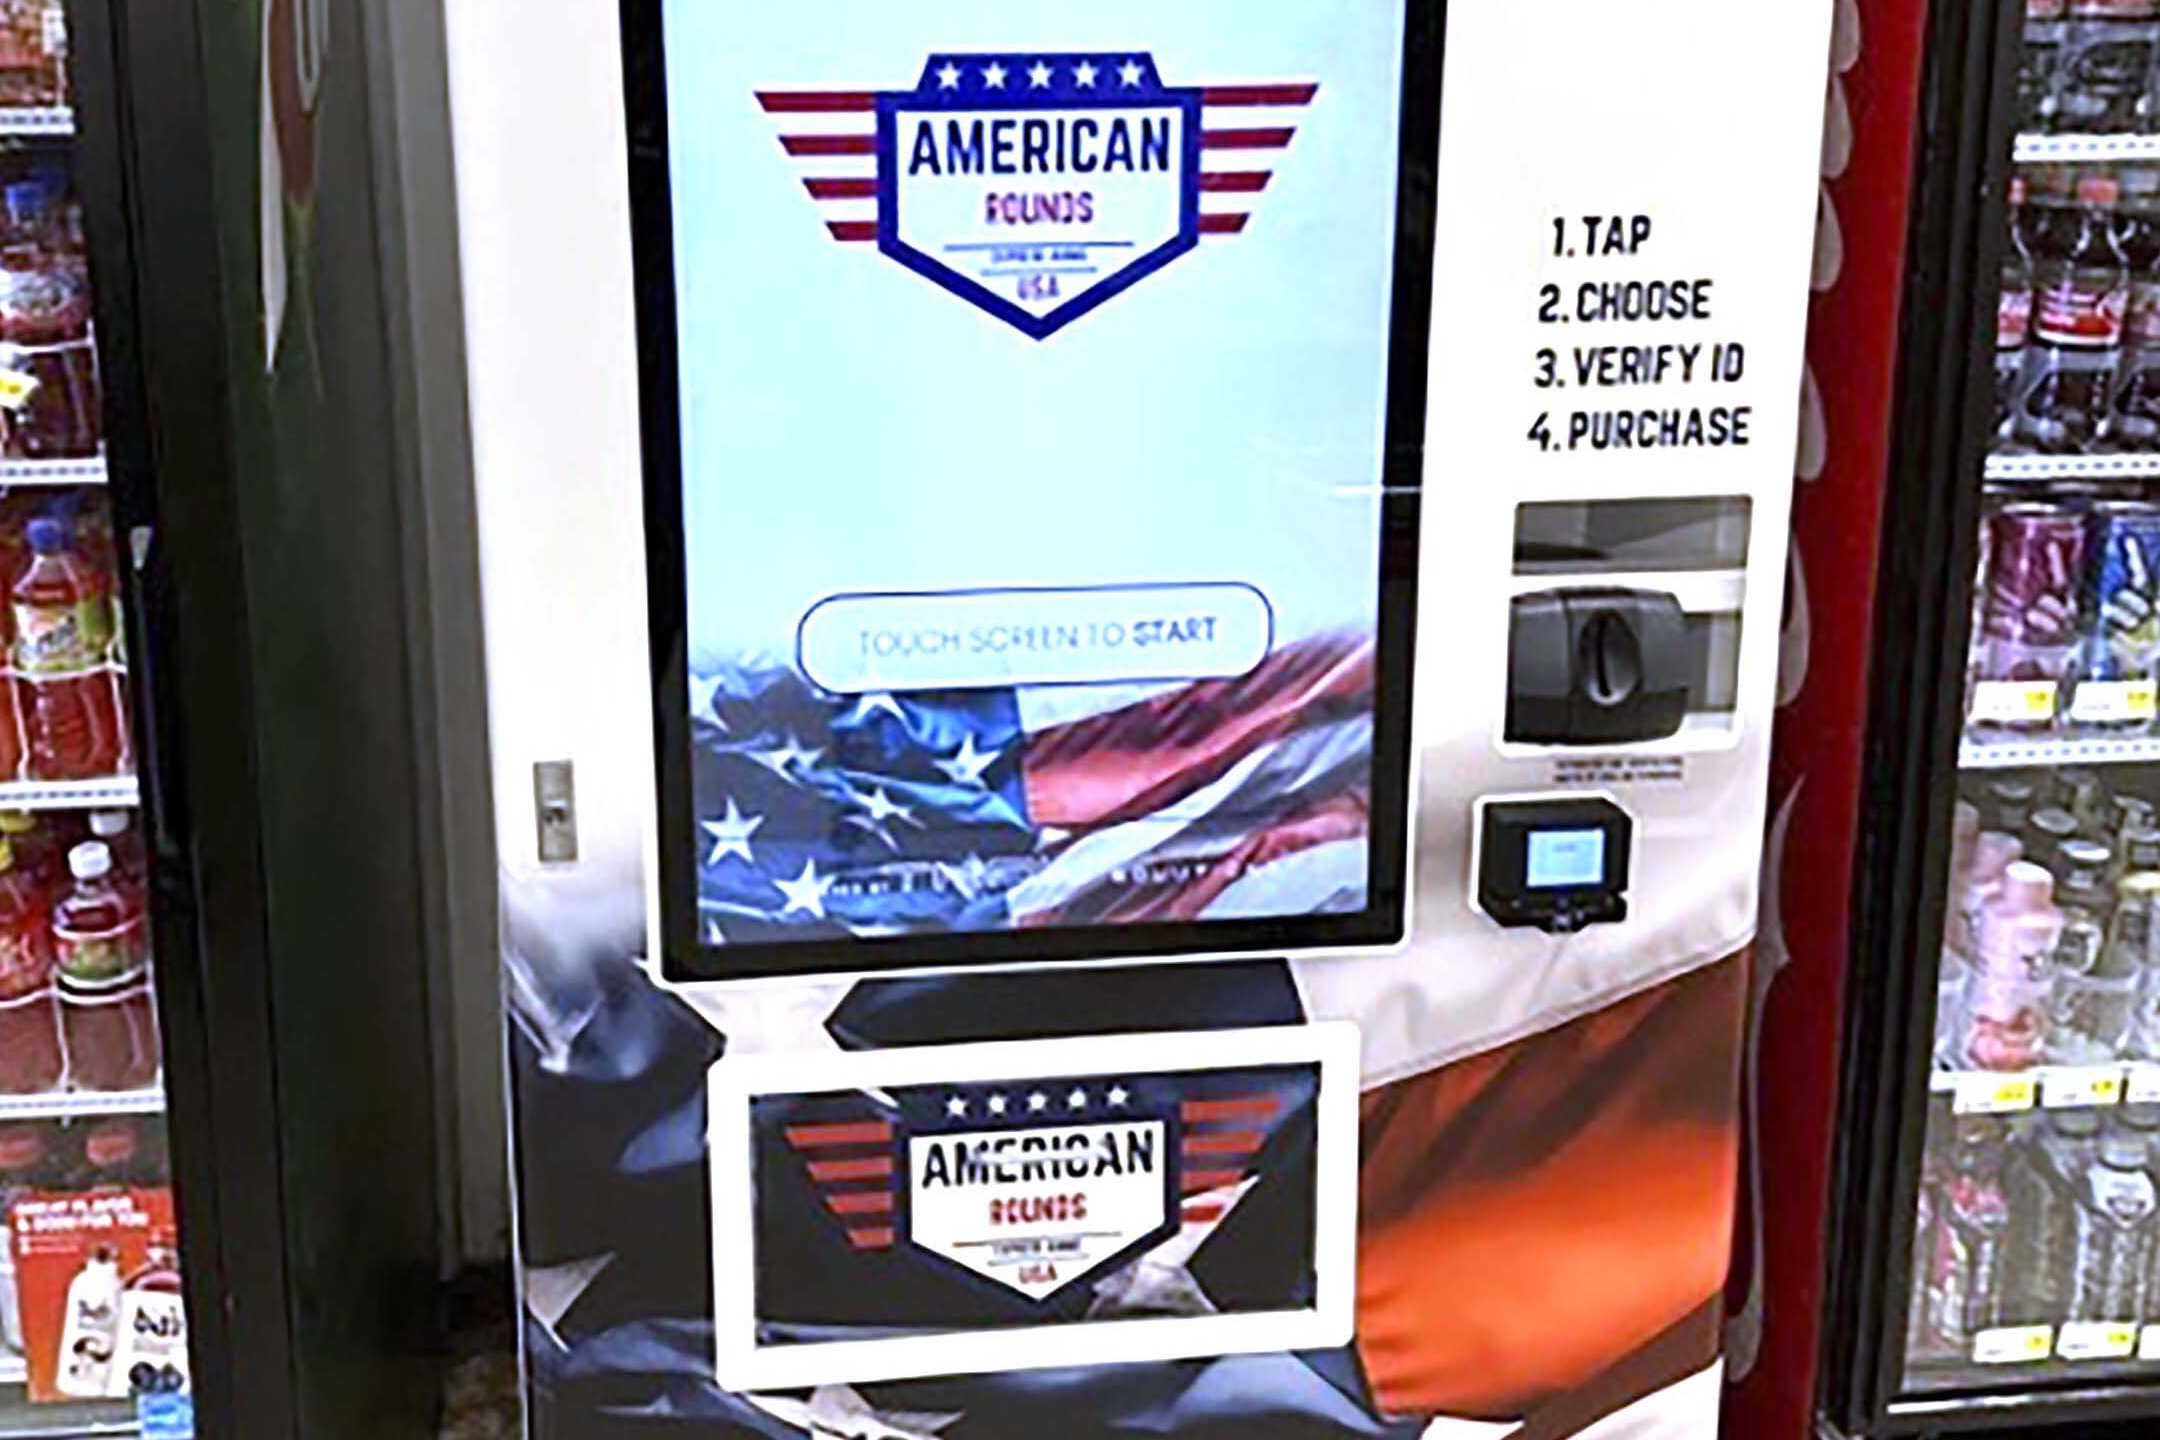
1598	666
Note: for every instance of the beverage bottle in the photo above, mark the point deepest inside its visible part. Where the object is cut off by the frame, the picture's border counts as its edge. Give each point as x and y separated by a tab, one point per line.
2104	68
2115	1217
1957	935
30	1057
1964	1273
1993	853
98	931
2009	806
70	720
2080	293
90	1332
2013	321
110	1152
2094	997
2046	831
2133	423
45	311
2041	1178
115	829
2038	64
2008	992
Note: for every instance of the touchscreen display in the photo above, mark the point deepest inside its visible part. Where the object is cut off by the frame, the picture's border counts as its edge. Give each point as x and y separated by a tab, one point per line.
1030	402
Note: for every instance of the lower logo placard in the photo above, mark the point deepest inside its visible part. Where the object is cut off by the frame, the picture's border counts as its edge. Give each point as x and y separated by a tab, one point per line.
962	1208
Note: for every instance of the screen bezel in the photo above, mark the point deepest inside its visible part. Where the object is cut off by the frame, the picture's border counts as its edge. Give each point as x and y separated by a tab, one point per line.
684	955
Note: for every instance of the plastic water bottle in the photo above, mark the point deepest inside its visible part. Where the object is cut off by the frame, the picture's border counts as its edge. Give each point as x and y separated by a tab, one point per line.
2116	1207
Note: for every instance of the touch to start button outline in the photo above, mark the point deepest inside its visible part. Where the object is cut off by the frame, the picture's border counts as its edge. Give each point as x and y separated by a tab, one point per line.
858	643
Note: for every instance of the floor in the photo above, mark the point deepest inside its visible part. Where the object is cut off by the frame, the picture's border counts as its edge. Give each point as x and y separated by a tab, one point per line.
480	1393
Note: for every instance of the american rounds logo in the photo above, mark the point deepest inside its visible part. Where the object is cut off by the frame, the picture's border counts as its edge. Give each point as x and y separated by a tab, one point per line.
1038	186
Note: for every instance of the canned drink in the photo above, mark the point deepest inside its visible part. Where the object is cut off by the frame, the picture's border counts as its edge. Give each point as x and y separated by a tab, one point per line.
2121	605
2036	557
2029	619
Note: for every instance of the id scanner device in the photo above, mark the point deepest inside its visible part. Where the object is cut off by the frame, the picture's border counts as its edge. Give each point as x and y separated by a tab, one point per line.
1596	666
1557	864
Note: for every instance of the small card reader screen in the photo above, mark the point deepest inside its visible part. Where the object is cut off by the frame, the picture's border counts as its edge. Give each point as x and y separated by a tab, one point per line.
1564	858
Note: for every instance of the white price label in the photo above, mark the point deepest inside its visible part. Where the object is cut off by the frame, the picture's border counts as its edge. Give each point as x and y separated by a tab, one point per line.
2014	702
2103	702
2149	1344
2144	1086
2097	1340
2014	1345
2083	1087
1982	1092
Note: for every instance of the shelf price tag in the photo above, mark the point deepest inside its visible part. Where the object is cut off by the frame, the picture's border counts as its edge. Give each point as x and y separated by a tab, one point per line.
2014	702
1981	1092
2102	702
16	388
2149	1344
2097	1340
2082	1088
2014	1345
2144	1085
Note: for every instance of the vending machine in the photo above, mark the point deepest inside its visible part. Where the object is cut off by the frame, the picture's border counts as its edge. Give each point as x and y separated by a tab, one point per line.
1130	662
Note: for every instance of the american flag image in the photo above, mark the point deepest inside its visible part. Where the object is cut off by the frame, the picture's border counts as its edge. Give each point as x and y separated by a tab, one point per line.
1079	173
832	134
828	816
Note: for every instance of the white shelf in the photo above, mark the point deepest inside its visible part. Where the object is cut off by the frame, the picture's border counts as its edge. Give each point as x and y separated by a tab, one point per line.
2073	467
108	792
65	1104
88	470
2016	754
2039	149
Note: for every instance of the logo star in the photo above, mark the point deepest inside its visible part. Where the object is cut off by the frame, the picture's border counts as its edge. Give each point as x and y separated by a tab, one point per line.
967	767
1118	1095
1037	1101
1077	1100
1039	76
948	78
994	75
1084	75
875	703
806	891
883	807
1129	73
997	1104
731	835
704	695
956	1107
787	754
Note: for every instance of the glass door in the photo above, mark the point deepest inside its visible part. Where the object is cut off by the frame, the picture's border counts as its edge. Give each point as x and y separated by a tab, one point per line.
92	1328
2037	1254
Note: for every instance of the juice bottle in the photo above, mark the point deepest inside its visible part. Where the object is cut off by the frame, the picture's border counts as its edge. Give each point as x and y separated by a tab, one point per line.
70	715
29	1024
98	929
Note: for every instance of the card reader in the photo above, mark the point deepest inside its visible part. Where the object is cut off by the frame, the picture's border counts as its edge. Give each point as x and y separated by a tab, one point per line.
1557	864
